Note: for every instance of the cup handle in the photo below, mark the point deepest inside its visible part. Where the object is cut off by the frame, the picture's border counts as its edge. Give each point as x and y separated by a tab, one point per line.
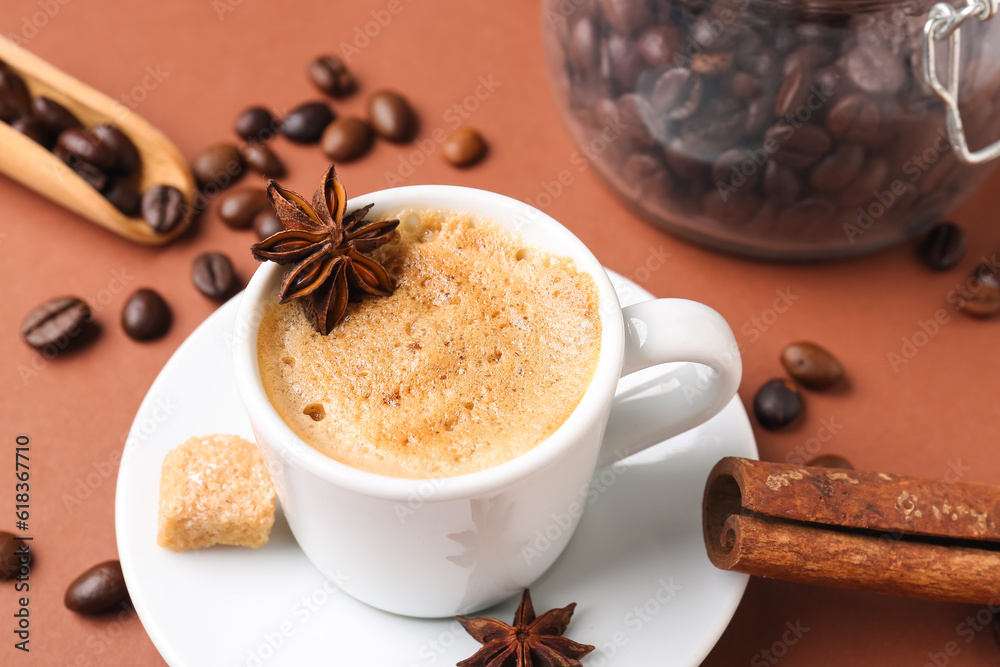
662	331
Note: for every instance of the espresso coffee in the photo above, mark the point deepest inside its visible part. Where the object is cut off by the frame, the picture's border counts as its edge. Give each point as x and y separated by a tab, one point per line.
482	352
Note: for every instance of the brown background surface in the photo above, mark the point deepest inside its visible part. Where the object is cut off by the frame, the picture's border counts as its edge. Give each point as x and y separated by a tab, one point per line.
937	412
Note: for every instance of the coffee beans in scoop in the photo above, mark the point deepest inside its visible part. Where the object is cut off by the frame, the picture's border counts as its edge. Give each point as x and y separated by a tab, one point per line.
54	117
777	403
146	316
127	158
98	589
15	100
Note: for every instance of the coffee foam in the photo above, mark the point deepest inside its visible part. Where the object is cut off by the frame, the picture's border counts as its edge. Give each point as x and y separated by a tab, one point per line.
484	350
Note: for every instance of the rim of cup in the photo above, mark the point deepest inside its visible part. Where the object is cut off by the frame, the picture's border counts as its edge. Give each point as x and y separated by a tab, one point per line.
536	229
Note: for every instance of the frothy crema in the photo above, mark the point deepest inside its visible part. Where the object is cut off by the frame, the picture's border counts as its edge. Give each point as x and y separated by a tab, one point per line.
484	350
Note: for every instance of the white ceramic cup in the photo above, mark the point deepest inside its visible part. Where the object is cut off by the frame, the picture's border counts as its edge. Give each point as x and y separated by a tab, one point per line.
437	547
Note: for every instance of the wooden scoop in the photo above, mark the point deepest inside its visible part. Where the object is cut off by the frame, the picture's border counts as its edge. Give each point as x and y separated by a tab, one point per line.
30	163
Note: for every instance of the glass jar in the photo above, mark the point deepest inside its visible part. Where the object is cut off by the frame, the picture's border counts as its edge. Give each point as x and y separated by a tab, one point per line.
778	129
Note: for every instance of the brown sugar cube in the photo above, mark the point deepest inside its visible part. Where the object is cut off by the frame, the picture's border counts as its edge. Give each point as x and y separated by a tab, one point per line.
214	490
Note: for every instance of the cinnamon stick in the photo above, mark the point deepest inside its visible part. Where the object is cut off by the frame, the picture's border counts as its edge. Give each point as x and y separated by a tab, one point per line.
868	531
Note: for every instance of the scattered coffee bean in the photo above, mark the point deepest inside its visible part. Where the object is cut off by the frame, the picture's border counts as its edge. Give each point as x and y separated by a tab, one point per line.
331	76
15	100
979	295
220	165
305	124
266	223
830	461
54	326
263	160
53	116
464	147
777	403
124	197
811	365
347	138
163	208
943	246
238	208
127	158
31	128
99	588
146	316
10	554
257	124
86	146
392	116
213	275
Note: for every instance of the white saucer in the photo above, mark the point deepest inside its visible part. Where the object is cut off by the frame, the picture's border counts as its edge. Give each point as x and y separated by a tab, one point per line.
646	591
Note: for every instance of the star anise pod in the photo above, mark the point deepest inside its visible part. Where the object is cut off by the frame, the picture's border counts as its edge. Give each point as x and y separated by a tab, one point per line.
328	250
530	642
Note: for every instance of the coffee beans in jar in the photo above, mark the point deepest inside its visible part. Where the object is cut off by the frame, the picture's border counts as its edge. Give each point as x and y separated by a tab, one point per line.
768	129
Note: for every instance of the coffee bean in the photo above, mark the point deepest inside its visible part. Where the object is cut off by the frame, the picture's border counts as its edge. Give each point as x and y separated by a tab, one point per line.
347	138
808	57
979	295
626	63
53	116
263	160
871	179
875	70
219	166
583	44
464	147
777	403
95	176
98	589
86	146
256	124
213	275
626	16
305	123
127	158
711	64
657	45
736	168
943	246
56	325
830	461
146	316
677	93
781	184
163	208
854	118
744	86
238	208
837	169
123	196
11	549
798	147
811	365
391	116
31	128
266	223
330	75
793	93
15	100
